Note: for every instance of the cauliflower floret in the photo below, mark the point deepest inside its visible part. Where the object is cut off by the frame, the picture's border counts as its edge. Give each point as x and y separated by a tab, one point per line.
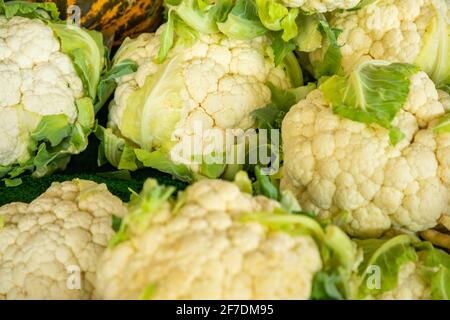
13	133
214	84
36	79
410	286
50	247
338	167
391	30
205	251
321	5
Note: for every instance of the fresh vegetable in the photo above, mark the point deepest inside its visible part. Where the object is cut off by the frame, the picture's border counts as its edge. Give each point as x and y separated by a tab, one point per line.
358	88
290	25
116	19
217	242
286	15
412	31
49	73
363	151
49	248
173	113
402	268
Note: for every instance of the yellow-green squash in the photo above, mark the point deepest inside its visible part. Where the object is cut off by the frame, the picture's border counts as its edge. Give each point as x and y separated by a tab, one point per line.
117	19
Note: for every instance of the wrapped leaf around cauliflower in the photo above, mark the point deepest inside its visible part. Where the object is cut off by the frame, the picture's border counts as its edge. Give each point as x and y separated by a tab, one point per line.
218	242
49	248
402	268
371	151
49	73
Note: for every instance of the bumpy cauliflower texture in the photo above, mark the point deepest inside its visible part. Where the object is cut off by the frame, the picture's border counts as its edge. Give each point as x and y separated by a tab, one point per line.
321	5
50	247
213	85
36	80
345	169
392	30
201	249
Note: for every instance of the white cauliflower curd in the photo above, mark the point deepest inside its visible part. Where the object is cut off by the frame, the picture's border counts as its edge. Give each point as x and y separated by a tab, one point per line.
215	242
352	171
49	72
181	108
49	248
401	268
409	31
36	79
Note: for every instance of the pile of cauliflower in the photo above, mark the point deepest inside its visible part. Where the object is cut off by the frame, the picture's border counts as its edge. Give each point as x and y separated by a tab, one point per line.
213	241
201	248
357	211
211	86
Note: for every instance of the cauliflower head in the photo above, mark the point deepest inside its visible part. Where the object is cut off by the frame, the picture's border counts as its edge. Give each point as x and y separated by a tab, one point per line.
401	268
49	248
409	31
352	172
216	242
49	72
186	106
